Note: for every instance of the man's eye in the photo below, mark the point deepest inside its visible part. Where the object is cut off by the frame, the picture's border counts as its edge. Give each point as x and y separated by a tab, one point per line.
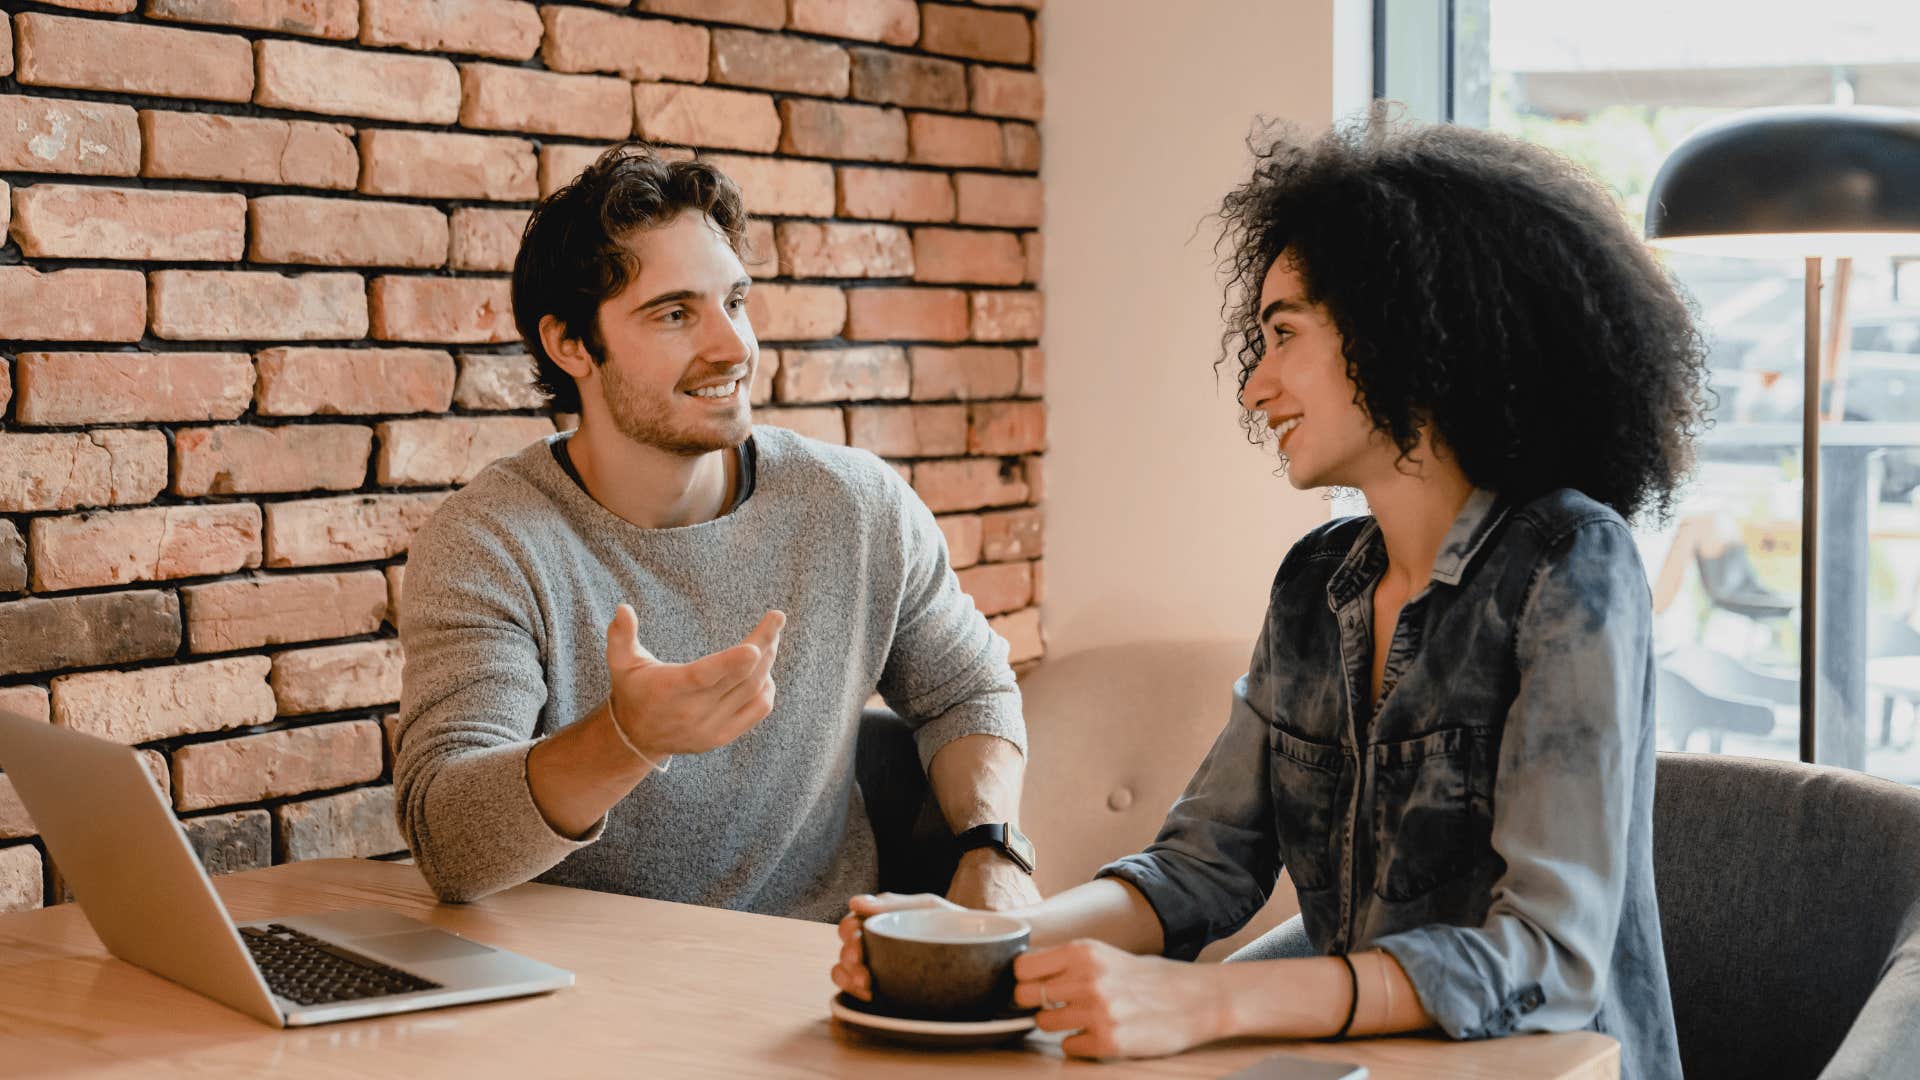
674	315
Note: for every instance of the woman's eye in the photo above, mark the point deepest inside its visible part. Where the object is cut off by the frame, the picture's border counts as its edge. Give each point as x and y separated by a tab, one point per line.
736	303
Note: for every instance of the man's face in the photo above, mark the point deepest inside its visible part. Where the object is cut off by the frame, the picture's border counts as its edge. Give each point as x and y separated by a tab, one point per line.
679	351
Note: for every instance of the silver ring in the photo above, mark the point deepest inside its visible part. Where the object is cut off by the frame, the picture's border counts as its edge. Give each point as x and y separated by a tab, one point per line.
1045	1003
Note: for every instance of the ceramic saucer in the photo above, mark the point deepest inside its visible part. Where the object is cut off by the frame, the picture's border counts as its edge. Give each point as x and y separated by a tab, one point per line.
869	1019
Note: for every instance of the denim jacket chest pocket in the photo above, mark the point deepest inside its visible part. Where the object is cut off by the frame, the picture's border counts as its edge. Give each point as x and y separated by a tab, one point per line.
1309	781
1432	809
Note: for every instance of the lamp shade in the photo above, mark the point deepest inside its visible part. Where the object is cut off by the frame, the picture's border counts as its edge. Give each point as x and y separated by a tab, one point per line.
1793	182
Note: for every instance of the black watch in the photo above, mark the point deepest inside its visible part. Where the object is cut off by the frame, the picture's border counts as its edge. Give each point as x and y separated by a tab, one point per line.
1002	835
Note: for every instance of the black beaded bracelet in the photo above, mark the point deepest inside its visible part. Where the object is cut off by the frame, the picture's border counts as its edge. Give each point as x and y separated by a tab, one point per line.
1353	1006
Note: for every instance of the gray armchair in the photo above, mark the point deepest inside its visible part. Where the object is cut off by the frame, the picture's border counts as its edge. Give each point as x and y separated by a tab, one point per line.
1790	906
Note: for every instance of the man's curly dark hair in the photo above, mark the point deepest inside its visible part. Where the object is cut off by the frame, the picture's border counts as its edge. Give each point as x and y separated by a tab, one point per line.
1484	286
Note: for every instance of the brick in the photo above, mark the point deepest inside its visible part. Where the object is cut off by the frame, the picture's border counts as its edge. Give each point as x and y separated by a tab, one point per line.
908	430
963	373
246	613
396	582
522	99
497	381
969	484
22	879
467	310
562	163
69	221
350	528
247	150
156	544
13	559
579	39
239	460
6	223
1034	245
110	467
1021	630
508	29
962	534
336	677
485	239
918	82
89	630
1036	470
345	232
30	702
868	374
353	382
895	194
796	312
934	139
825	424
896	22
1012	535
773	62
1033	372
165	702
706	116
81	304
350	825
451	450
780	188
131	58
1006	316
1021	144
829	129
974	256
230	305
997	588
444	165
62	135
841	250
276	764
765	370
6	47
107	7
357	82
230	843
985	199
950	30
1007	427
308	18
123	388
1005	92
905	314
769	14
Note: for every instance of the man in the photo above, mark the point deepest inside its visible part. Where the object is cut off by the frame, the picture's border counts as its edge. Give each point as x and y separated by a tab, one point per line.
580	704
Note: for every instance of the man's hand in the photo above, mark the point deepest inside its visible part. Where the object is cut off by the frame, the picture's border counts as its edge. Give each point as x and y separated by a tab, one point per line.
694	707
850	973
1118	1004
988	880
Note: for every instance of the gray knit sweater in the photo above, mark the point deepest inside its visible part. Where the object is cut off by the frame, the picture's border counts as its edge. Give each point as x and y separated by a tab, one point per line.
509	592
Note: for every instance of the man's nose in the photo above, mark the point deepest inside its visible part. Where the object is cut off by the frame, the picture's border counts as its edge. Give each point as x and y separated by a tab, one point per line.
729	340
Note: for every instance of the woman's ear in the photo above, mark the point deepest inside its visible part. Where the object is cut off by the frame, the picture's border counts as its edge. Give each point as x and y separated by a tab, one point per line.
570	353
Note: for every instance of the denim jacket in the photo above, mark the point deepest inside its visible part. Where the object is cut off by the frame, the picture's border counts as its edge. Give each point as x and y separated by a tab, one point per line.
1490	824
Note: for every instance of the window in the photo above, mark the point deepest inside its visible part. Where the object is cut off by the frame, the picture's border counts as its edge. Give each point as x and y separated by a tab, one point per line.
1615	87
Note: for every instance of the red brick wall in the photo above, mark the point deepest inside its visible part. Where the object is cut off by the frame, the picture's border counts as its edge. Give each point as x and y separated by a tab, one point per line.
254	325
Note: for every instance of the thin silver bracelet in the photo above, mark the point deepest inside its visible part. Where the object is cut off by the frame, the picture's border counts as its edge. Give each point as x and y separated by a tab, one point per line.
613	714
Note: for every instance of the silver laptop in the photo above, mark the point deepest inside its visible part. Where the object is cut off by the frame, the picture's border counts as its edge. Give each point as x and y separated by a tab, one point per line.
117	844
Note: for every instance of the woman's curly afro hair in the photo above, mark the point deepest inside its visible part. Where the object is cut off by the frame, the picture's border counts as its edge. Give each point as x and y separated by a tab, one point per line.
1486	287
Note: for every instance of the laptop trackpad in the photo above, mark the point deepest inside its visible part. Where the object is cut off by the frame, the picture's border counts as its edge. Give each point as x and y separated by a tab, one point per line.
421	947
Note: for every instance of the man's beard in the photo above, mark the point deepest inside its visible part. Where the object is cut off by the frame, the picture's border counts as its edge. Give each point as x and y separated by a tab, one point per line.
650	423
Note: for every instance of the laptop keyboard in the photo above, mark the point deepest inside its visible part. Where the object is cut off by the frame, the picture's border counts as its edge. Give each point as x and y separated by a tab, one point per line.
308	971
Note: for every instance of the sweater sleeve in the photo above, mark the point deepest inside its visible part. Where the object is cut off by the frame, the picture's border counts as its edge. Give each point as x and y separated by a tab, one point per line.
946	672
473	690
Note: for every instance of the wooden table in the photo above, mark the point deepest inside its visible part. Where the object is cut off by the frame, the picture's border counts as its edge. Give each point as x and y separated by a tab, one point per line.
664	990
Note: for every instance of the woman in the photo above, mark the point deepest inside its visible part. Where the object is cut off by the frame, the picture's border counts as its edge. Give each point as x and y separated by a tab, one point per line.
1446	732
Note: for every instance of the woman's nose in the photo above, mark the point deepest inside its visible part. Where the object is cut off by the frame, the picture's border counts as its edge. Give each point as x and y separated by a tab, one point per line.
1261	385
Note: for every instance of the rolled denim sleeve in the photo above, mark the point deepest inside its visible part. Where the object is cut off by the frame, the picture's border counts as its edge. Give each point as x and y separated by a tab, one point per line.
1563	804
1217	856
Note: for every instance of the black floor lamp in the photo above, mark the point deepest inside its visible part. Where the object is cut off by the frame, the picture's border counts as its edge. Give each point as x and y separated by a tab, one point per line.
1804	182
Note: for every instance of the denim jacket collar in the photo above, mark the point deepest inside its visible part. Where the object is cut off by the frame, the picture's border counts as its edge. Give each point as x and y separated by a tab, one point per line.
1367	559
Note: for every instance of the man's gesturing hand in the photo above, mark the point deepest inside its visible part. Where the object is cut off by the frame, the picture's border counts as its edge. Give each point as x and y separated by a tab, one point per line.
694	707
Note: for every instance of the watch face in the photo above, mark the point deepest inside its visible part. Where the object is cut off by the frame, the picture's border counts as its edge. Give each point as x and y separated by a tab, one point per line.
1020	847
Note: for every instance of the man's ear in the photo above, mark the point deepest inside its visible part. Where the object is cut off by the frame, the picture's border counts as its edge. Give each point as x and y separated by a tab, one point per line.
568	352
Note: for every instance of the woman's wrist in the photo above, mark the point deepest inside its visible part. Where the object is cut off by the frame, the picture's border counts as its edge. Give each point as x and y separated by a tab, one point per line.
1286	999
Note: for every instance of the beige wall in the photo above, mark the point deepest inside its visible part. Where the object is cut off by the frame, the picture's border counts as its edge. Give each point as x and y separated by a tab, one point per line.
1162	522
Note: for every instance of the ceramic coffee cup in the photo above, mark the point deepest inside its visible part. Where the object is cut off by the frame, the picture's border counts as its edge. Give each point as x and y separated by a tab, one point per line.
937	964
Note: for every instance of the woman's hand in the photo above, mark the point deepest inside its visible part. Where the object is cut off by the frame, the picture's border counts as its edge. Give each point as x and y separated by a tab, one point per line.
1120	1004
850	974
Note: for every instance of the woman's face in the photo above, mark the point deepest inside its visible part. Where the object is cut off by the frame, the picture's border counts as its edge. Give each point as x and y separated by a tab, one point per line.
1301	386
